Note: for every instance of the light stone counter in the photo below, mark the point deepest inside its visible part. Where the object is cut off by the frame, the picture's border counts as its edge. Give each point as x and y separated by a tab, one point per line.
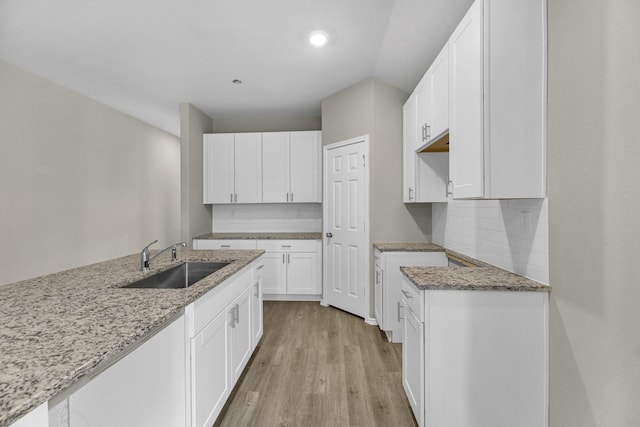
263	236
408	247
59	328
475	276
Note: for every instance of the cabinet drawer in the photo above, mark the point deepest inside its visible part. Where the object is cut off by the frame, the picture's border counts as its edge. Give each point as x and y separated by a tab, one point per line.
224	244
214	302
413	297
287	245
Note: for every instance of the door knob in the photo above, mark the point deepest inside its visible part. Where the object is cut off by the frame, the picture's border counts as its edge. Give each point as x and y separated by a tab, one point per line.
329	235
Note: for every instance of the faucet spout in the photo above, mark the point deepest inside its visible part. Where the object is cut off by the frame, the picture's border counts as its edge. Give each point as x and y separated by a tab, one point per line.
144	256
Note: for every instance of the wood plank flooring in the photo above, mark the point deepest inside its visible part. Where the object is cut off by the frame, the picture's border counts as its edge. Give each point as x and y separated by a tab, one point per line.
319	366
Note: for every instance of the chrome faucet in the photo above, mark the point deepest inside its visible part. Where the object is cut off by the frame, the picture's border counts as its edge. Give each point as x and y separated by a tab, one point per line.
145	259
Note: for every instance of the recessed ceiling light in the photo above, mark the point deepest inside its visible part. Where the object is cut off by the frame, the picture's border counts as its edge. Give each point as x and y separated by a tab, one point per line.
318	38
236	82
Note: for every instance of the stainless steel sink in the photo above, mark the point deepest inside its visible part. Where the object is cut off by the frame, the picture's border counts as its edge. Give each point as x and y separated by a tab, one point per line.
180	276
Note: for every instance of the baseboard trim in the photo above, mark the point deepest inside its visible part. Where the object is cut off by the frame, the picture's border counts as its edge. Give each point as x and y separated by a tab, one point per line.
286	297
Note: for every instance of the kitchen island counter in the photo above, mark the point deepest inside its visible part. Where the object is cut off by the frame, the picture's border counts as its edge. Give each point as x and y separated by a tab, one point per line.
60	328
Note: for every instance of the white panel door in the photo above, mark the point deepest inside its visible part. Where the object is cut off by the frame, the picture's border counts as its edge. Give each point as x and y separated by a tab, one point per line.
345	222
305	167
302	273
275	167
248	168
218	168
466	105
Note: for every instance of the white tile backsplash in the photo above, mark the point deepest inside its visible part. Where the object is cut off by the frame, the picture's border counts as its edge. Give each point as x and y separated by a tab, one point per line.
510	234
302	217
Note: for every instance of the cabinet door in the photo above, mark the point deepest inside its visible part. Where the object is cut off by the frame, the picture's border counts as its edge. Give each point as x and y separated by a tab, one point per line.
273	273
218	169
439	103
413	363
211	370
409	141
275	167
302	274
466	105
256	312
379	298
423	110
241	337
305	167
248	168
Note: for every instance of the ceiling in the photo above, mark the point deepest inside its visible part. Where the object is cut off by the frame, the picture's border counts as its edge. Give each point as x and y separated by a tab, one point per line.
145	57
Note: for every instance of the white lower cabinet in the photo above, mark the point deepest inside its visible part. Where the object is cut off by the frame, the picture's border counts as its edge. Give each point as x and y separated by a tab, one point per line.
146	387
476	358
223	326
291	269
39	417
388	283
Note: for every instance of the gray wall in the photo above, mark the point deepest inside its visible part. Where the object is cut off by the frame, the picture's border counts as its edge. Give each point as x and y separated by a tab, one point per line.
594	152
79	181
195	218
265	124
374	108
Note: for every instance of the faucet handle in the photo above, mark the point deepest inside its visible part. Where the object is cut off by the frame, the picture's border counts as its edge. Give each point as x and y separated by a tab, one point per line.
146	248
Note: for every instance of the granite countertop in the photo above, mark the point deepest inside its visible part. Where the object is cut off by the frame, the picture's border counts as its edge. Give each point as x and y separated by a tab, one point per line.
475	276
59	328
408	247
263	236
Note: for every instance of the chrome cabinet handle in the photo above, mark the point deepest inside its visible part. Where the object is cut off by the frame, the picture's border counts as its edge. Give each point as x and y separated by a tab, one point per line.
399	307
285	246
424	133
407	294
230	197
257	289
225	246
449	187
287	197
260	267
410	193
235	198
288	258
283	258
237	315
232	322
291	197
428	130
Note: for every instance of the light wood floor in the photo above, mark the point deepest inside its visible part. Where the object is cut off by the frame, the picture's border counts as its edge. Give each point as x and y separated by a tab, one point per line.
319	366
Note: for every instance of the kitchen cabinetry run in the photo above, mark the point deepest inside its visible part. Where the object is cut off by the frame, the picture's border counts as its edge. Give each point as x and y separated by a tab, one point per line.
475	357
388	284
269	167
232	168
291	167
222	329
497	101
291	269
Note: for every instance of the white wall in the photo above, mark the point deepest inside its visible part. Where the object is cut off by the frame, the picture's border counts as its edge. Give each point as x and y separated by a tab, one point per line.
594	200
195	218
510	234
79	181
297	217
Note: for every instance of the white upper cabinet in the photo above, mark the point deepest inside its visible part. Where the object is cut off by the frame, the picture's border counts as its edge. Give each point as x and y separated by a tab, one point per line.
425	175
433	101
291	167
497	101
304	155
275	167
232	168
